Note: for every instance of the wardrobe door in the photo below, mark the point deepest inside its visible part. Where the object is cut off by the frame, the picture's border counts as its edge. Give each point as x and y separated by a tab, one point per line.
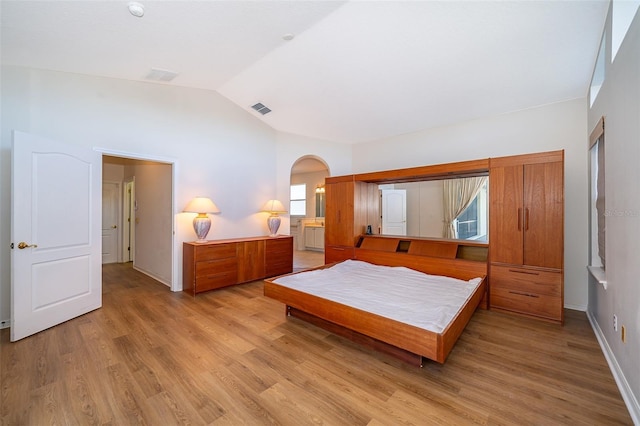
543	215
506	214
339	213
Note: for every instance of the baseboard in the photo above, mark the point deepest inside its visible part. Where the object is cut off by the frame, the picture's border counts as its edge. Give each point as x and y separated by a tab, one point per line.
149	274
627	394
5	324
581	308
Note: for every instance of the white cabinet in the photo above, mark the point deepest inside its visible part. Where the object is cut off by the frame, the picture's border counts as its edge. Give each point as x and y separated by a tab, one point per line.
314	237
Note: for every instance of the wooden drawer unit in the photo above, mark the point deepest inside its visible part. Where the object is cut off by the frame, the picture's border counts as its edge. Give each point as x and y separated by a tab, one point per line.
278	256
338	253
216	274
216	264
527	290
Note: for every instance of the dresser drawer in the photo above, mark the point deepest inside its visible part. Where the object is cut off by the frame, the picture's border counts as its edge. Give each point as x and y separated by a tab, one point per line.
527	303
218	266
219	251
210	282
526	280
338	253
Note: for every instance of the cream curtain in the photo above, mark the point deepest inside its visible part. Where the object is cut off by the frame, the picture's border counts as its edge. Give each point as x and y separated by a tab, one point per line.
458	194
600	202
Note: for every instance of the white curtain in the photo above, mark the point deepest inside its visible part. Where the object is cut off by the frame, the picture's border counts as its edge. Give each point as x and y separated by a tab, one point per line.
458	194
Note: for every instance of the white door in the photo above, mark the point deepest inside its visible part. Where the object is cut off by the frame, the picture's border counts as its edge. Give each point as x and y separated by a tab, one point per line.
56	273
110	216
394	212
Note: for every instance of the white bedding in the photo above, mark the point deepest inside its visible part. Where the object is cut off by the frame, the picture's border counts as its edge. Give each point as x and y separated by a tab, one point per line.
426	301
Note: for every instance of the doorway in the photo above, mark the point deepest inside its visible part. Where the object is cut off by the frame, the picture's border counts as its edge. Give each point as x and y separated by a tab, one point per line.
144	224
307	216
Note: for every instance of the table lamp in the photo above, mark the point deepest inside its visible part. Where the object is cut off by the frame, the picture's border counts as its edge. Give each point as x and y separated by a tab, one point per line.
202	222
273	207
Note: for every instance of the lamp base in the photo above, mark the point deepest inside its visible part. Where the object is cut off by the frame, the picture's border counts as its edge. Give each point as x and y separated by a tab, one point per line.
273	222
201	224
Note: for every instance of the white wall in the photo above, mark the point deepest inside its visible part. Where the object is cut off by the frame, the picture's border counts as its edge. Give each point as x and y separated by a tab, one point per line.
220	150
547	128
153	219
619	102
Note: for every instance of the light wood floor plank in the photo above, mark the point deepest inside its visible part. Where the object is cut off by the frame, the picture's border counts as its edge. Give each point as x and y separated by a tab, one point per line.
231	356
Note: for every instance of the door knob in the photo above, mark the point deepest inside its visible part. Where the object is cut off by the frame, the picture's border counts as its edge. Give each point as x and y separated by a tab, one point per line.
22	245
114	226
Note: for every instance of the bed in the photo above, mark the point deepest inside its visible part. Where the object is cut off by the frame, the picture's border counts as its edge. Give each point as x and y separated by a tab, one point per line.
383	330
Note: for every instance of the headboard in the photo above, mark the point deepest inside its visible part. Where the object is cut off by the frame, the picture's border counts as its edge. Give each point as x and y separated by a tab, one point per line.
462	259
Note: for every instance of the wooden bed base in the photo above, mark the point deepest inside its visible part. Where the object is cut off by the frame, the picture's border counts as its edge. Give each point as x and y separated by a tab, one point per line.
402	340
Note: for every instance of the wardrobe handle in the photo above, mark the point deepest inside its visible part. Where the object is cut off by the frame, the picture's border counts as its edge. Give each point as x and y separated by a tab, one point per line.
519	219
526	219
519	293
524	272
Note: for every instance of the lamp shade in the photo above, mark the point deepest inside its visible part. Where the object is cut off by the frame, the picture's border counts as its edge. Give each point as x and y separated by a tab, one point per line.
273	206
201	205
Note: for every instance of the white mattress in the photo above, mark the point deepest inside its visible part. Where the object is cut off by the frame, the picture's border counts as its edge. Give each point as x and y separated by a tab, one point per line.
426	301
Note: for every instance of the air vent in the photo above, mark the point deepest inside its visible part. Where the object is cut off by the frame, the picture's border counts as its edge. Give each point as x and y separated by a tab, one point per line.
261	108
161	75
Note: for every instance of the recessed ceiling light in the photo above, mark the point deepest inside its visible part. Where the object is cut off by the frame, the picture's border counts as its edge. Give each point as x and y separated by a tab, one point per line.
136	9
288	36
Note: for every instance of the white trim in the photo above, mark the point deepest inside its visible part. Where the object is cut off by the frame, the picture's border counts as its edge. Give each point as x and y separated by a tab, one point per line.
625	390
598	273
581	308
176	247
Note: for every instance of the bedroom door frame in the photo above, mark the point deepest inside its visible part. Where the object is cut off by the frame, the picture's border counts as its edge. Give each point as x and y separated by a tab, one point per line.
176	281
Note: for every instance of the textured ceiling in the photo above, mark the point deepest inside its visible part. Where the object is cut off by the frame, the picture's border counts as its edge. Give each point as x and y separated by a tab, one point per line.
355	71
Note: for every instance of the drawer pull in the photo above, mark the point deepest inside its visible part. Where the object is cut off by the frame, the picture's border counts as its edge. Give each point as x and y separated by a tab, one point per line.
524	294
337	248
524	272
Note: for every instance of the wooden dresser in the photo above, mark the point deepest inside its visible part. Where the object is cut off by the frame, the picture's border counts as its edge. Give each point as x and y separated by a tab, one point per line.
220	263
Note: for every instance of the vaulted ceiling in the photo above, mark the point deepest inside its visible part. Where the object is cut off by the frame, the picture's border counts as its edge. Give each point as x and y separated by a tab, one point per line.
354	71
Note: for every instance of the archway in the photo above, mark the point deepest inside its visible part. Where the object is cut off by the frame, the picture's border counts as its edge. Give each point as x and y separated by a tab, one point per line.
307	210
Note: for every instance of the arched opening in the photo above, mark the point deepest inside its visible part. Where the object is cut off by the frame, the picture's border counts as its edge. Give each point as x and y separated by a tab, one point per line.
306	210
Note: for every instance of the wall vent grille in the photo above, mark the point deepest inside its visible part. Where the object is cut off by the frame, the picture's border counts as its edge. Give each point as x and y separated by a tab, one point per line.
261	108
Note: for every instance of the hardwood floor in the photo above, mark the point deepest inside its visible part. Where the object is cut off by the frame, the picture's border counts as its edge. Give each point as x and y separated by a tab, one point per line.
230	356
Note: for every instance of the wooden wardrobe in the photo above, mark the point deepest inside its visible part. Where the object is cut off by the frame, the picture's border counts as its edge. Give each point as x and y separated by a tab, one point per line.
526	218
526	234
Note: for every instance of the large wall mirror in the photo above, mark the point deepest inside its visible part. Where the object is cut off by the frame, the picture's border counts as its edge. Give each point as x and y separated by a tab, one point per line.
456	208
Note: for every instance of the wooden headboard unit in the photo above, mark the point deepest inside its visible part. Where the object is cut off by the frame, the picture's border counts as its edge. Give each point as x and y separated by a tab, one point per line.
455	258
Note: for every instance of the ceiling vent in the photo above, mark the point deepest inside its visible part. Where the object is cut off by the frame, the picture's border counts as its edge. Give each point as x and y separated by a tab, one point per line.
161	75
261	108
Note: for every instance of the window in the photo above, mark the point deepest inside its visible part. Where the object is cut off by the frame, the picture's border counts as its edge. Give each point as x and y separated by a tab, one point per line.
298	200
597	213
598	73
623	12
472	223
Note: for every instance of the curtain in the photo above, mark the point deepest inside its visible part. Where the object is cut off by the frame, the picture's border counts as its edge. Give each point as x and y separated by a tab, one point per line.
600	205
458	194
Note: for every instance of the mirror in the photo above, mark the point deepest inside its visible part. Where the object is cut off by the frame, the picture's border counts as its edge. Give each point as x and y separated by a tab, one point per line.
417	209
320	205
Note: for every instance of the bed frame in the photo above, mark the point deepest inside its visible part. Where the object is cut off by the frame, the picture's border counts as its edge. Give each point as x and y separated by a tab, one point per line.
455	258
